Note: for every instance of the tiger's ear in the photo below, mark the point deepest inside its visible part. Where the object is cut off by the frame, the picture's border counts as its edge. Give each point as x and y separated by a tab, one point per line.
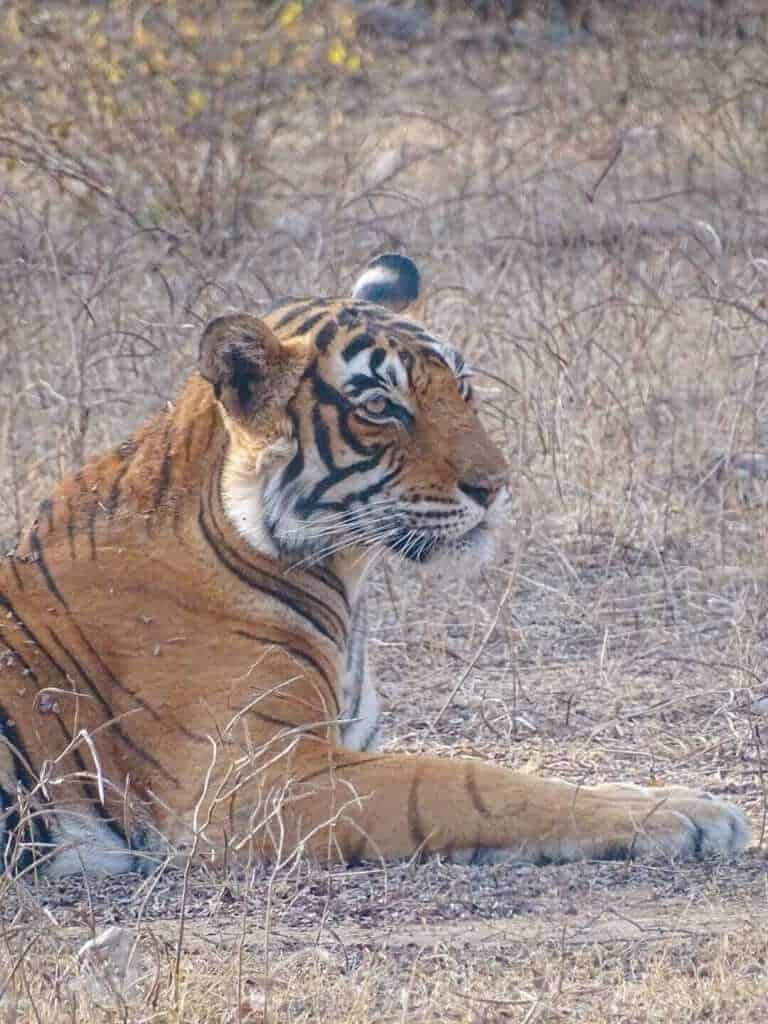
389	280
243	361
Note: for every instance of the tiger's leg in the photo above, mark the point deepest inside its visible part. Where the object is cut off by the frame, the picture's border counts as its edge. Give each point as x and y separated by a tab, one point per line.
354	807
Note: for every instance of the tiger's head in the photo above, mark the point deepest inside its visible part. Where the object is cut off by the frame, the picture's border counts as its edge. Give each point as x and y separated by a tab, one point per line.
352	427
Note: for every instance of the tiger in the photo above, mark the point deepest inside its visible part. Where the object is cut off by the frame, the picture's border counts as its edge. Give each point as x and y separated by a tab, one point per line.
183	636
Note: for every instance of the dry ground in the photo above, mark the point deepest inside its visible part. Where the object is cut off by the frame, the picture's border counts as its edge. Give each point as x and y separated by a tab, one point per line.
592	220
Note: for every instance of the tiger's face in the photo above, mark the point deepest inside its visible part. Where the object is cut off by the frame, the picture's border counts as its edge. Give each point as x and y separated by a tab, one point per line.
379	445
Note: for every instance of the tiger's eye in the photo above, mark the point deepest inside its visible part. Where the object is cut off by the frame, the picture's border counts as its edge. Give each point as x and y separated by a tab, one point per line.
376	406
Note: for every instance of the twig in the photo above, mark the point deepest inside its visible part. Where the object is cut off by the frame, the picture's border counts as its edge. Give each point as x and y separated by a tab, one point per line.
488	634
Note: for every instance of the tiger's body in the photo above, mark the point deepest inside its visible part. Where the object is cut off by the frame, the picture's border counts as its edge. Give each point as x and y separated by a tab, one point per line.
182	628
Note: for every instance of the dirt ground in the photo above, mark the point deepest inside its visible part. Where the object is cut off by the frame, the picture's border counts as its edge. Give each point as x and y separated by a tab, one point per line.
591	216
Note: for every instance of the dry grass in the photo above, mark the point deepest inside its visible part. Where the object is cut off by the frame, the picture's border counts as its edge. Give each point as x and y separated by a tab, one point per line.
592	225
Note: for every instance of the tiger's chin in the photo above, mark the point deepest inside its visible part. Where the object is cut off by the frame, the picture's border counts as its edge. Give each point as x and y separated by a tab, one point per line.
468	552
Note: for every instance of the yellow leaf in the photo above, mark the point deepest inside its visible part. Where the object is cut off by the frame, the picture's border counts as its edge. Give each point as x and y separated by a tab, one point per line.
189	28
93	19
114	72
337	52
353	63
197	101
12	26
157	61
100	41
141	37
290	13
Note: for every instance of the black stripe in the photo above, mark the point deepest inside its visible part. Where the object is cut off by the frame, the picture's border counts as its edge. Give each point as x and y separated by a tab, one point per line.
127	449
295	466
211	431
37	553
254	577
355	709
326	335
283	723
46	509
178	509
322	438
71	529
92	513
369	492
350	438
15	571
377	358
120	685
356	851
470	781
415	822
92	793
38	832
360	382
29	672
212	423
110	715
88	788
429	355
246	573
296	311
306	506
308	324
330	579
435	515
350	317
370	735
341	766
325	392
409	363
358	345
166	467
11	611
125	453
32	638
411	327
328	395
299	656
163	480
188	439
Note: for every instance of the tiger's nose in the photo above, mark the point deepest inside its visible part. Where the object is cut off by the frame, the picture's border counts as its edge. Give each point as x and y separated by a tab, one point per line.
485	492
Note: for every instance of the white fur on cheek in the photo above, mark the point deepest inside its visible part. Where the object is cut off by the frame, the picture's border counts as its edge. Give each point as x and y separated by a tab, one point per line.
243	485
470	553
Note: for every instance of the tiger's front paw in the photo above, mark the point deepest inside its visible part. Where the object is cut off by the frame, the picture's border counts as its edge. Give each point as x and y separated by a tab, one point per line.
668	821
617	821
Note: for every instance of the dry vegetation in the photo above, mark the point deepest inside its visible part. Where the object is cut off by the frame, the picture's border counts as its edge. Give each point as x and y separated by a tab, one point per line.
592	220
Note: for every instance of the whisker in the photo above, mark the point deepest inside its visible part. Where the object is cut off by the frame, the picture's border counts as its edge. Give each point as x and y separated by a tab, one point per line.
360	540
